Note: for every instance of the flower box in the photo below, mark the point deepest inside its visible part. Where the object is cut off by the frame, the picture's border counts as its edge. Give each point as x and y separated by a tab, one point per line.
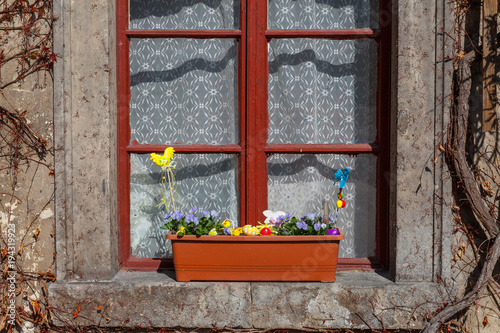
255	258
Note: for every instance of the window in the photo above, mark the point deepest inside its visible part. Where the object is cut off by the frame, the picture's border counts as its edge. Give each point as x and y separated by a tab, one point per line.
263	101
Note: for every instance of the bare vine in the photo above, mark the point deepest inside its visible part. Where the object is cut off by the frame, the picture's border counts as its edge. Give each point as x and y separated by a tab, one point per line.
469	181
25	51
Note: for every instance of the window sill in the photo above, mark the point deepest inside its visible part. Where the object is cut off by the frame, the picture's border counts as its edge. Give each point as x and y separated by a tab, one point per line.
355	300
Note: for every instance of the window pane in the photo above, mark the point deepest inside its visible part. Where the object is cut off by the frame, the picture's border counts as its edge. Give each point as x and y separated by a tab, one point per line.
183	91
322	91
184	14
299	184
322	14
204	181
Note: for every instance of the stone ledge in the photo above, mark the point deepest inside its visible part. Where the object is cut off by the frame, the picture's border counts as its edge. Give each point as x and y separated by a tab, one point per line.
355	300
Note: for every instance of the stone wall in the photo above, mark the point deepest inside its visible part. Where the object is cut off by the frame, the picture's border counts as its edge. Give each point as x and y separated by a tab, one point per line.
26	192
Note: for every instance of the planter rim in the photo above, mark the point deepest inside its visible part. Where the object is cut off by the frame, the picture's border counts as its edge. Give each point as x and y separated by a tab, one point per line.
227	238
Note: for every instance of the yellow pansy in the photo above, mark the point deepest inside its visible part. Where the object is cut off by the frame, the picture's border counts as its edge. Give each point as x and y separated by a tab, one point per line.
213	232
181	229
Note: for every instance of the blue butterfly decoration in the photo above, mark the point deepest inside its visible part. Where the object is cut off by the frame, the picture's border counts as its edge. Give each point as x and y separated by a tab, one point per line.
342	176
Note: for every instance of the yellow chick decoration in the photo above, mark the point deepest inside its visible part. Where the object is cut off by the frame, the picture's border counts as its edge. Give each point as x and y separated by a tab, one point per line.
163	160
237	232
250	230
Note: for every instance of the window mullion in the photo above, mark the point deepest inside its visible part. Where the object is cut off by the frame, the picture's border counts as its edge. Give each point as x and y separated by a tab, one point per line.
257	119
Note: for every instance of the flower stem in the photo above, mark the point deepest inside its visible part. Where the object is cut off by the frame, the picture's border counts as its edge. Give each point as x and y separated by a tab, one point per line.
171	189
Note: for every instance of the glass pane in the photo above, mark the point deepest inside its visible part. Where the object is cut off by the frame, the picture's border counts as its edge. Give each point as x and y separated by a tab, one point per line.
183	91
322	14
204	181
184	14
299	184
322	91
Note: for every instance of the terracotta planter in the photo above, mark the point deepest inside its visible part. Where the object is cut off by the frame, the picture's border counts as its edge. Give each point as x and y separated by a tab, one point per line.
256	258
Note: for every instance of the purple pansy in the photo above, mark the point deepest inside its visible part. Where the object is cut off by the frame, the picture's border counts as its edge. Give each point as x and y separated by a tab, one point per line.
177	215
302	225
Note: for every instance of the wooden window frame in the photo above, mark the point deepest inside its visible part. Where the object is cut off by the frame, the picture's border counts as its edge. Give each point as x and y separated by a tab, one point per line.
253	148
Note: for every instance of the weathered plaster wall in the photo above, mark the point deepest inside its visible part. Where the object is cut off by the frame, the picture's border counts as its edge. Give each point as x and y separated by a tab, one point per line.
420	104
85	140
32	205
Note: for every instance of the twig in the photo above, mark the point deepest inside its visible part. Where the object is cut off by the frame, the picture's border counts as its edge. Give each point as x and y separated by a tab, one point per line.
457	149
364	321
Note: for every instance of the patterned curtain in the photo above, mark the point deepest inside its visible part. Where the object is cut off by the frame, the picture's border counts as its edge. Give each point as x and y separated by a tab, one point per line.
322	14
182	90
203	181
322	91
301	184
184	14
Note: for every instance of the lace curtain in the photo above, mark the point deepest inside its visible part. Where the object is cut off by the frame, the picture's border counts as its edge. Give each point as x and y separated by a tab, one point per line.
322	14
184	14
184	90
204	181
301	184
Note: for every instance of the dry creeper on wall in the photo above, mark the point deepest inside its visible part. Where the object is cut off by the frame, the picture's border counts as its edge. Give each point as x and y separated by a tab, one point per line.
26	56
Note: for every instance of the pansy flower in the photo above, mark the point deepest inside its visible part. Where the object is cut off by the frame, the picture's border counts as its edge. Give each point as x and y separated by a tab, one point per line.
302	225
177	215
190	218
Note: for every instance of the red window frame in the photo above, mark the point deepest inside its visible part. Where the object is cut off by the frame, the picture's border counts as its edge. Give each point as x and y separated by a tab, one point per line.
253	148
